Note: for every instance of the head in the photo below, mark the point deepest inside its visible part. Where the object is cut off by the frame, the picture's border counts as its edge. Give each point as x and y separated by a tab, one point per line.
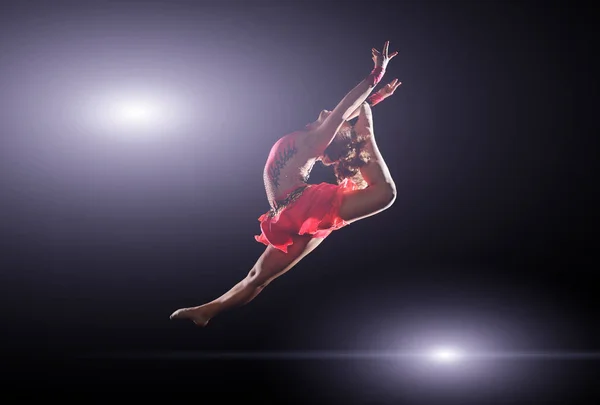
320	119
347	154
322	115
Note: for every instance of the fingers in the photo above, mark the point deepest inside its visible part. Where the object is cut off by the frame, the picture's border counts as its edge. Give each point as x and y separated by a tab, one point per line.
391	87
385	51
395	87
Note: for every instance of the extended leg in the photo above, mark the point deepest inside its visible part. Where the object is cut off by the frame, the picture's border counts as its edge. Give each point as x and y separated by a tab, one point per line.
271	264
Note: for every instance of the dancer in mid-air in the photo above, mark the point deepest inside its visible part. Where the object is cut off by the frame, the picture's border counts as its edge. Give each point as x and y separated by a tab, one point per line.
302	215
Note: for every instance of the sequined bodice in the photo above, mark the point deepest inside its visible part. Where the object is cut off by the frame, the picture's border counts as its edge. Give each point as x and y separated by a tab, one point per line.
287	168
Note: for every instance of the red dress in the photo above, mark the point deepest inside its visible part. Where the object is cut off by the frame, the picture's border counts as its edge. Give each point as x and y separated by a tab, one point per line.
309	210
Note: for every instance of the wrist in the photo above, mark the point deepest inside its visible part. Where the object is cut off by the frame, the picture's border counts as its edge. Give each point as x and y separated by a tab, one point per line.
375	99
376	75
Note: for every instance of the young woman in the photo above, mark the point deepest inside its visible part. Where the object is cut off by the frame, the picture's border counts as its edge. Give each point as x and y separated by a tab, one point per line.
303	214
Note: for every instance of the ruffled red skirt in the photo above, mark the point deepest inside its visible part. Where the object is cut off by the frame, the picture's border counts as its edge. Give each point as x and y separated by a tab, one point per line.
315	213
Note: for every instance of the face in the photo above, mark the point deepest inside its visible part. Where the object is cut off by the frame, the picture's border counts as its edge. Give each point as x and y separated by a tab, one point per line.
323	114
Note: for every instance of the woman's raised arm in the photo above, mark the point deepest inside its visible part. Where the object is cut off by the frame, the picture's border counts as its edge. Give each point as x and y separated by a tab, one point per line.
378	96
324	133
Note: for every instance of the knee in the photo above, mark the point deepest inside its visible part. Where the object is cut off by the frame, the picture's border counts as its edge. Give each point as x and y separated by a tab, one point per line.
388	194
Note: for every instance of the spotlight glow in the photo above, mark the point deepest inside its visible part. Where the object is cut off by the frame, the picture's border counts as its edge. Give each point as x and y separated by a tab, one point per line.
445	355
136	112
129	111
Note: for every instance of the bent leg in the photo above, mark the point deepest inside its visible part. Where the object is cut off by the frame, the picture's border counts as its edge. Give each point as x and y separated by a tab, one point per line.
270	265
361	204
381	190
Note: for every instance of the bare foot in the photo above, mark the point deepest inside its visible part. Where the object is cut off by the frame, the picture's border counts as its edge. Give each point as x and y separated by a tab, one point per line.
197	315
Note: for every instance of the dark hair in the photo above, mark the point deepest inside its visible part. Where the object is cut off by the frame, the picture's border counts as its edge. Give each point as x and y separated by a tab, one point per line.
348	153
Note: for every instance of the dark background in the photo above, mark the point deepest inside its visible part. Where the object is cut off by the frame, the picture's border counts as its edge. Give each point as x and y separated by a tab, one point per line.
491	142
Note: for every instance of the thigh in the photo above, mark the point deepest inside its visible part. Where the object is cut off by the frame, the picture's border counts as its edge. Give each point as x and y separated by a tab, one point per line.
360	204
273	262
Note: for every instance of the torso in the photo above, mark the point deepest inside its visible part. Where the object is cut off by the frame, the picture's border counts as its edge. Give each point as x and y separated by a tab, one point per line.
288	166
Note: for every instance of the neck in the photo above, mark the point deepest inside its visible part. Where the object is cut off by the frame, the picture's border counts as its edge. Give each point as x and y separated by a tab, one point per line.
312	125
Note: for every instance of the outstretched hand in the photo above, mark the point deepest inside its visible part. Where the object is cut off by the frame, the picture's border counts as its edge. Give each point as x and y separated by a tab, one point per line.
382	58
389	88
